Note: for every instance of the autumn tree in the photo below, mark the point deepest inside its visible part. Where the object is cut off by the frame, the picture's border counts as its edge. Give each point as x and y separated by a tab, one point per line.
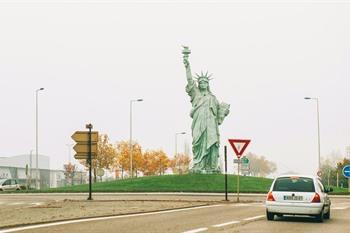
106	155
331	168
123	156
69	172
180	164
260	166
154	162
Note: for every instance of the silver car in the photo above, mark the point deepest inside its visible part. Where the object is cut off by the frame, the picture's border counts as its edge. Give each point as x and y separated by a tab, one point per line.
9	185
298	195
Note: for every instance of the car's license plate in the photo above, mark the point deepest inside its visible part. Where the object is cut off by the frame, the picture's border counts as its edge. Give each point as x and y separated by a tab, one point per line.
293	198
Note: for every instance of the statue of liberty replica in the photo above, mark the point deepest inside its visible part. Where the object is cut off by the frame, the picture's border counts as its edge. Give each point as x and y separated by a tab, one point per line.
207	114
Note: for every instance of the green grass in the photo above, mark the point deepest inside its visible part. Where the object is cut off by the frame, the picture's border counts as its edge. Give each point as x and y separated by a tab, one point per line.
175	183
340	191
214	183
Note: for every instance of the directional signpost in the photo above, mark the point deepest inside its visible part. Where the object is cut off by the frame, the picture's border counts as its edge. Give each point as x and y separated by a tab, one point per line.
239	146
82	146
346	173
86	148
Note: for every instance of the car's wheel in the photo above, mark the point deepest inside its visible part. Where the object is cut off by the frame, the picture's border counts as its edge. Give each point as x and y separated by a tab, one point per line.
328	214
320	216
270	216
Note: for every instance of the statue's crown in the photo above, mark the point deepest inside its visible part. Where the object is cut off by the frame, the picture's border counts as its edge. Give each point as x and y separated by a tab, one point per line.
203	77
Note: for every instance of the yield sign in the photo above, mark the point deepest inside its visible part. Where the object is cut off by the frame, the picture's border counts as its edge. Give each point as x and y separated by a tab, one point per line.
239	145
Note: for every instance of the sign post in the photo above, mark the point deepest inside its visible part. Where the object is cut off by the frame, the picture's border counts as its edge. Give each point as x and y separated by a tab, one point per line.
238	165
86	148
346	173
89	126
239	150
226	173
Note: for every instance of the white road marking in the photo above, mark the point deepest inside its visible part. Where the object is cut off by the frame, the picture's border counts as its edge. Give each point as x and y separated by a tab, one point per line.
340	208
239	205
102	218
342	203
196	230
36	203
226	223
253	218
248	204
15	203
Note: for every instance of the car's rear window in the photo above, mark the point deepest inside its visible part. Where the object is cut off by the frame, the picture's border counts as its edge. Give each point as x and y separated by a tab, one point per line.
294	184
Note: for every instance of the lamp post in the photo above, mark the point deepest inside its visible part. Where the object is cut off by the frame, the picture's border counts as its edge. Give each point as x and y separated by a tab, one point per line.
176	147
31	168
176	141
130	142
36	137
318	130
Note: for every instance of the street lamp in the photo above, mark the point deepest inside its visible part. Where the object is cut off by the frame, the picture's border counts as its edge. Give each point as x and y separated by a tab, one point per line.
31	168
318	130
176	141
176	149
36	137
130	142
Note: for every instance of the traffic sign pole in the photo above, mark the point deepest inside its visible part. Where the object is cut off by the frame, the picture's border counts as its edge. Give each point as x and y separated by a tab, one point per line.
346	173
89	126
239	150
238	182
86	148
226	173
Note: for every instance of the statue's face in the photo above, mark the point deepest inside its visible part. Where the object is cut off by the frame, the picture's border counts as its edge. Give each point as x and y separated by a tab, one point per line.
203	85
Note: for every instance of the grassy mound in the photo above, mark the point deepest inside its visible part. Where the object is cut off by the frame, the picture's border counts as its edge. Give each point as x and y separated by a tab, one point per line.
175	183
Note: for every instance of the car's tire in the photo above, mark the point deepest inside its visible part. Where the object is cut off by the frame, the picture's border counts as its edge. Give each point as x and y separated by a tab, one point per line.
320	216
270	216
328	214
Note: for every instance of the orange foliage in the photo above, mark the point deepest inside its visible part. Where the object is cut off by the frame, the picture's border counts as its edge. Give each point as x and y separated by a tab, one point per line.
180	164
106	155
123	156
153	162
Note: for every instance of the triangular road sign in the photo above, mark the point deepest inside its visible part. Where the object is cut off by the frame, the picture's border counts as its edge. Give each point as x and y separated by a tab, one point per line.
239	146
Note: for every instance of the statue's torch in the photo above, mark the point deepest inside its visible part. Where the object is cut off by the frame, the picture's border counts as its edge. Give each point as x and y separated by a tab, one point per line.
186	52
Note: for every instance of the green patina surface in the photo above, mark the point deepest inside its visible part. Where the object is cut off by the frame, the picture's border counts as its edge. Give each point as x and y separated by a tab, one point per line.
207	114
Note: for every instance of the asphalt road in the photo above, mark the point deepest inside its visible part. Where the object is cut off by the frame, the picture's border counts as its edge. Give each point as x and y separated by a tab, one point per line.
37	199
230	217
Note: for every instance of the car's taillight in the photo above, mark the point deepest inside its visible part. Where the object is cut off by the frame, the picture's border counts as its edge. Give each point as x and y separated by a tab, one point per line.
316	198
270	197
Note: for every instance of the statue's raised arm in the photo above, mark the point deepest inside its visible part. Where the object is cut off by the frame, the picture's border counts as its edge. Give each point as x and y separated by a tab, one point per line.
186	52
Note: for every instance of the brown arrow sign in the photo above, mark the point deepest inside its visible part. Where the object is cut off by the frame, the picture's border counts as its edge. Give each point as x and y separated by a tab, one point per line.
81	148
84	156
83	136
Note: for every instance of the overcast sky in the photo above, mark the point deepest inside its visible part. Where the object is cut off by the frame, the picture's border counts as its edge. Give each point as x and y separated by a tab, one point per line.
93	57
